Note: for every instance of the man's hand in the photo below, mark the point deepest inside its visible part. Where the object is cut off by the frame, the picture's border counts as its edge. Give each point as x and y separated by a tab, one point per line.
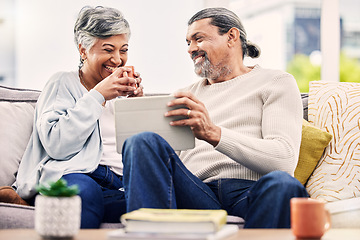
197	117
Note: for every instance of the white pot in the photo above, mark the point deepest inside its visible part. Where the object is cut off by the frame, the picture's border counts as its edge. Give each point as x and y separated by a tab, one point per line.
57	216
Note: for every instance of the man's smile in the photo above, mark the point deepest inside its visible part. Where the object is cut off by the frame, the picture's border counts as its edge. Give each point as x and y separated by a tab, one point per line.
198	56
198	59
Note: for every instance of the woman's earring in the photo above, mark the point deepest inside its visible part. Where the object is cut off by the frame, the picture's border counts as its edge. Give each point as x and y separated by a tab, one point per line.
83	58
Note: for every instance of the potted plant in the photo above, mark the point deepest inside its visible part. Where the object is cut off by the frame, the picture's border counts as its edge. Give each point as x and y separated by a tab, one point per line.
57	210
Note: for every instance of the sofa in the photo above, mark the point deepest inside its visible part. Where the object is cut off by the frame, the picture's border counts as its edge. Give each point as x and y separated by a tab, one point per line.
17	109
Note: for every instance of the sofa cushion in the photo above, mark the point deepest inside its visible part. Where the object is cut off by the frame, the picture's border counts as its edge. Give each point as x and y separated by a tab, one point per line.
345	213
19	216
17	111
16	216
335	107
313	143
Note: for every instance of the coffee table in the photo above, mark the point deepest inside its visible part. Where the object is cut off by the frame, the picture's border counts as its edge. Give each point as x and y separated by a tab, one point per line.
244	234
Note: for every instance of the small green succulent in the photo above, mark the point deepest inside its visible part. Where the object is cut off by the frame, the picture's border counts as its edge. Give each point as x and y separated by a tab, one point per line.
58	189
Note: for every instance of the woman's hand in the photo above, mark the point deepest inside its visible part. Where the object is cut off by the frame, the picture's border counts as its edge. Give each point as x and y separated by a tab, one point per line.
197	117
139	88
120	84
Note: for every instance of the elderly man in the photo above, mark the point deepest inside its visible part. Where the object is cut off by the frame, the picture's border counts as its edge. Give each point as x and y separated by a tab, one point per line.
247	124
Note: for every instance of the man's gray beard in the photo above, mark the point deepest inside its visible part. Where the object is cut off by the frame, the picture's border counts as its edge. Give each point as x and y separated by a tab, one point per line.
210	71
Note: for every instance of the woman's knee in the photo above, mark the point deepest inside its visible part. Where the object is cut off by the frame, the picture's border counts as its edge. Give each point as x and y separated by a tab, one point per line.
89	189
92	202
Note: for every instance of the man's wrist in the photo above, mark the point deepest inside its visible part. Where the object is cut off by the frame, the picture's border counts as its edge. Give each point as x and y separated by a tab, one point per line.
215	136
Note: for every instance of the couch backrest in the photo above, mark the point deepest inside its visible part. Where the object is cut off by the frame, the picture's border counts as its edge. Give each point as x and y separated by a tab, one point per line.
16	111
305	98
9	94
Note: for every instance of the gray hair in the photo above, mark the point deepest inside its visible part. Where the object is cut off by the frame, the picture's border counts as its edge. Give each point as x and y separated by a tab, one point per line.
98	22
225	19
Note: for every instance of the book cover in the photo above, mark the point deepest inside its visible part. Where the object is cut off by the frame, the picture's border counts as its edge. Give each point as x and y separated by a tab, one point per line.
148	220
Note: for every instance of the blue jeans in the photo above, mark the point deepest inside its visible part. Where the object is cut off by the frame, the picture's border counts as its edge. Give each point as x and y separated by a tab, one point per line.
102	196
155	177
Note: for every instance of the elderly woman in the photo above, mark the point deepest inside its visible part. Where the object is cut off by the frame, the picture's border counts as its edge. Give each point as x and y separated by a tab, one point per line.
74	135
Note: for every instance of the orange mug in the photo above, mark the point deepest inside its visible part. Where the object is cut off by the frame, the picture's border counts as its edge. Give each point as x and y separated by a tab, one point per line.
309	218
131	74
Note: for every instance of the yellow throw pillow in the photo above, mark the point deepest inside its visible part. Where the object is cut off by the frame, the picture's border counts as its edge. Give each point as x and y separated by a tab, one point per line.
313	143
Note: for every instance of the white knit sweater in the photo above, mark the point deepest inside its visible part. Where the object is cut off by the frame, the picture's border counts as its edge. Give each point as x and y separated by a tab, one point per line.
260	115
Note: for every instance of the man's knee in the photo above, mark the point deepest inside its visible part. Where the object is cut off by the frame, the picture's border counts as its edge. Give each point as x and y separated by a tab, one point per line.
283	182
145	146
142	138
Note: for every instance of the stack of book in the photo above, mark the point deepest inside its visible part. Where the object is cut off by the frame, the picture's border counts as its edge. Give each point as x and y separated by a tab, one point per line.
172	224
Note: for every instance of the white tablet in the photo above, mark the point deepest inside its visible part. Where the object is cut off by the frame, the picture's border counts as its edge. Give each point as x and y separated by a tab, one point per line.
140	114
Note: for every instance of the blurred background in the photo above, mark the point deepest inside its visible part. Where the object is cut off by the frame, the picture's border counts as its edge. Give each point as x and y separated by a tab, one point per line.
36	38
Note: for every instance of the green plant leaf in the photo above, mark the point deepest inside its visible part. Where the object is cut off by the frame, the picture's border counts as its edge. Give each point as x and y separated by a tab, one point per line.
58	189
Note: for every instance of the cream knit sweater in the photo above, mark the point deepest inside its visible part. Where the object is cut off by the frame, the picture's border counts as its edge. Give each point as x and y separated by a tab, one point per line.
260	115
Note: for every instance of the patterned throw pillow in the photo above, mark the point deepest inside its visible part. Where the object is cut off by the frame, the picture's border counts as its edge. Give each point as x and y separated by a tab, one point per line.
335	107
